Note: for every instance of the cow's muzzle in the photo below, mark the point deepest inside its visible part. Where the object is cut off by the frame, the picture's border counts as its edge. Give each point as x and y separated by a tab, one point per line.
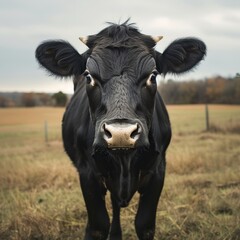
124	134
121	135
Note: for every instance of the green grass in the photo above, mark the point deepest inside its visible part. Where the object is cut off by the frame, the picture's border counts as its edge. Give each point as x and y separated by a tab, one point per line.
40	197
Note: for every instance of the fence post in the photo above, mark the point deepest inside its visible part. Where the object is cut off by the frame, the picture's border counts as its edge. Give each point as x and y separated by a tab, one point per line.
207	117
46	131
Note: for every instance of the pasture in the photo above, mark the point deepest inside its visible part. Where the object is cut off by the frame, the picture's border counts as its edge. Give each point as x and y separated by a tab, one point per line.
40	197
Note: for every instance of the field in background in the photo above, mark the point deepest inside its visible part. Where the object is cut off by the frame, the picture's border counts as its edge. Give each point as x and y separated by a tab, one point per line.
40	196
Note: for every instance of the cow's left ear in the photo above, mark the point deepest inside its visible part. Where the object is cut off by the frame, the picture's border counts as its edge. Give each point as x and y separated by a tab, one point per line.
181	56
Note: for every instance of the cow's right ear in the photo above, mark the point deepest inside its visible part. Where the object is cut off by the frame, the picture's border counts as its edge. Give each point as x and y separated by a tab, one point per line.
60	58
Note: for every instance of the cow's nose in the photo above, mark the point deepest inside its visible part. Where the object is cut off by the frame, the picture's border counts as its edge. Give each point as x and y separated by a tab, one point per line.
121	135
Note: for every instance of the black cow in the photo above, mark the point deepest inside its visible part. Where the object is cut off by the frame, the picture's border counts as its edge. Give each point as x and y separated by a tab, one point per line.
116	128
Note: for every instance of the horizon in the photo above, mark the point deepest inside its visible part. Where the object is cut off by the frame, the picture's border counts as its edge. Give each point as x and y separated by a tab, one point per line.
160	79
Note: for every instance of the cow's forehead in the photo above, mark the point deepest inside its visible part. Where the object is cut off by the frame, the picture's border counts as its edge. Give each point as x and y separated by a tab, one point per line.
108	62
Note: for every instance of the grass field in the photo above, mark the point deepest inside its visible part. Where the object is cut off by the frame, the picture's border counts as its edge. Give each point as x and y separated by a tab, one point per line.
40	196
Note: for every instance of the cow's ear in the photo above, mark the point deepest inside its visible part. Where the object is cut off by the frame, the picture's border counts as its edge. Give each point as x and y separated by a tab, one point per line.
181	56
60	58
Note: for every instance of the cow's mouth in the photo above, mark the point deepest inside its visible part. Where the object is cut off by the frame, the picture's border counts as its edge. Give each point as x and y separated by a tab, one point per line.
120	149
113	151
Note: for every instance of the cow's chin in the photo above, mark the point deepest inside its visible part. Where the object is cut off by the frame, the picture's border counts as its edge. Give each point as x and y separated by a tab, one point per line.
105	157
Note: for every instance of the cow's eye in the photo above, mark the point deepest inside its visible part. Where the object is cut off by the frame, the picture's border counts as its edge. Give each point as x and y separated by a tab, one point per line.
89	78
152	78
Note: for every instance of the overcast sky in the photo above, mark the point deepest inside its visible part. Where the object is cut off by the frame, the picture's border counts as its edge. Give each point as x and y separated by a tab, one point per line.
26	23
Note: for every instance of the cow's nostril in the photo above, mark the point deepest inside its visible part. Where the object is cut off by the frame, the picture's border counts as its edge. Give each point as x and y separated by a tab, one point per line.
136	133
106	132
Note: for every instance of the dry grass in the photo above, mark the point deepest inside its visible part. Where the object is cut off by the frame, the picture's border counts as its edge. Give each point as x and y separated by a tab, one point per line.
23	116
40	196
230	128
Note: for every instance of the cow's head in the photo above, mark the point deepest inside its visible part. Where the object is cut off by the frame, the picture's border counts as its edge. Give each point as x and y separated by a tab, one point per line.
120	70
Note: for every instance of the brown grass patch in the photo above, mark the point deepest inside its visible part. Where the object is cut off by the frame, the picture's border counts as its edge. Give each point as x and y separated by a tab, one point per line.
230	128
36	115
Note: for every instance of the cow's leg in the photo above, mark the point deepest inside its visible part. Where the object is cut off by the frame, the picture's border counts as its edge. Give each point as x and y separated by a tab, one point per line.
115	232
146	214
98	219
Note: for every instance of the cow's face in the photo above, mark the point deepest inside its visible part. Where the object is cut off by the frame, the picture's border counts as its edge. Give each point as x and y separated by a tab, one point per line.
121	87
120	71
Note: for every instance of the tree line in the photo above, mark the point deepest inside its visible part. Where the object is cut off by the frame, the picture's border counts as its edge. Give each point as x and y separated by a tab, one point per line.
32	99
215	90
